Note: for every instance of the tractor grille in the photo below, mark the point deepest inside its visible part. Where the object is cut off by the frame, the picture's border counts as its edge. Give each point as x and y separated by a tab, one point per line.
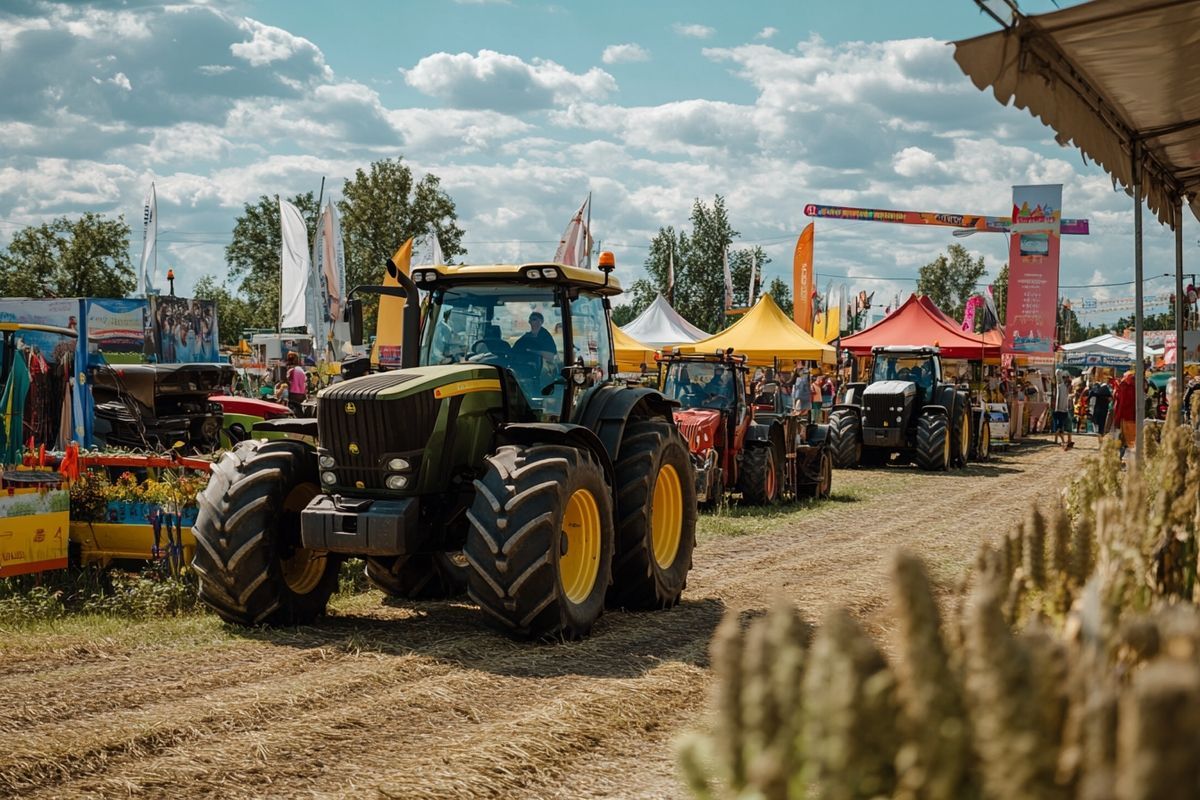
377	427
878	408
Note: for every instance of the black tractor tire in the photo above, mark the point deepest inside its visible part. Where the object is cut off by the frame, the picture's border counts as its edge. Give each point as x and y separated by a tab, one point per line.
761	480
423	576
982	450
932	451
824	485
960	435
539	544
656	516
251	566
845	439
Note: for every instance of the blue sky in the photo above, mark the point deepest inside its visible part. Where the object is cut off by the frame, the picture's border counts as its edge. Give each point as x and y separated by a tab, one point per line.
521	108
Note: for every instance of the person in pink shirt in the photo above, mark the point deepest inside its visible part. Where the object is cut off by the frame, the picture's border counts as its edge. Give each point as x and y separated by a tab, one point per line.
297	382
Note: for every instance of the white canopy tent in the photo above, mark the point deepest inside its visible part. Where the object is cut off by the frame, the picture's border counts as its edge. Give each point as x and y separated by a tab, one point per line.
660	326
1118	79
1105	350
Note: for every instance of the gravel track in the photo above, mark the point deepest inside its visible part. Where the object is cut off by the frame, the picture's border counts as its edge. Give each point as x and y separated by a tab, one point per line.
417	701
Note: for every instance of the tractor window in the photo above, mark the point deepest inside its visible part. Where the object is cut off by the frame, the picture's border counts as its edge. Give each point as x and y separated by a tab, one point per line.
512	326
700	384
917	369
589	334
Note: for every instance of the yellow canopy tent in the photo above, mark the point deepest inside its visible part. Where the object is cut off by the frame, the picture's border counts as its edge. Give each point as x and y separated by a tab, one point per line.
764	334
631	354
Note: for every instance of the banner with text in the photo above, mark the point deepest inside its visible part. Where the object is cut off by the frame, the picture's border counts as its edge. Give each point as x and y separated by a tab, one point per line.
1032	309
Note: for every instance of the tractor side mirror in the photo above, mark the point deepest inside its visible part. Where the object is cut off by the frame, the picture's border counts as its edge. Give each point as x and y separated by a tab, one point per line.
354	317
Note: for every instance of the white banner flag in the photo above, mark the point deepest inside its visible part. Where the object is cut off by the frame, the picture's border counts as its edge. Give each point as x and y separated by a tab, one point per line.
294	265
148	269
427	250
753	278
728	279
576	240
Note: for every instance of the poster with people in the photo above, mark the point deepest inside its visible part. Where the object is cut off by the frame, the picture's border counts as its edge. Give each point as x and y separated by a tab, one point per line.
184	330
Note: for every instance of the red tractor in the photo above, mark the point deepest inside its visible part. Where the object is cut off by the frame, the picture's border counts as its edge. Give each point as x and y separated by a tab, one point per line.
754	446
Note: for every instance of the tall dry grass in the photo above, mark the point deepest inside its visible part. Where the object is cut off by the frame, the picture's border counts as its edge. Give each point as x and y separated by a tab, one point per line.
1071	668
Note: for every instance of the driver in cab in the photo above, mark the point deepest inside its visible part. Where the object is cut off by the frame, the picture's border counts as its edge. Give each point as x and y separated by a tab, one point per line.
721	386
537	340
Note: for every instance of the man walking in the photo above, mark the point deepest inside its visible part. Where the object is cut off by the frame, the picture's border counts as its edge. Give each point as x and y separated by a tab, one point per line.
1062	413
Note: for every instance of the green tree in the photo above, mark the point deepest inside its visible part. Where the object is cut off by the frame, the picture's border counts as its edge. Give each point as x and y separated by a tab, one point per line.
84	257
234	314
950	279
381	209
700	287
1000	292
253	255
781	293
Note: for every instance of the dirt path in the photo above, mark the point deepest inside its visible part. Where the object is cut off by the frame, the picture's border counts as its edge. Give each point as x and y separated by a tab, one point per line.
416	700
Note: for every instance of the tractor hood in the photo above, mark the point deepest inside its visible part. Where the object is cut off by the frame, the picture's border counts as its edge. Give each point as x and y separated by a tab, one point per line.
891	388
700	426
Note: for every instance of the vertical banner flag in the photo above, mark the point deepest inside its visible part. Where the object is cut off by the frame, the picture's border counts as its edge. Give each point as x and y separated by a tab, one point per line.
427	251
294	266
576	240
1033	273
802	279
148	269
389	324
753	279
728	279
671	273
330	272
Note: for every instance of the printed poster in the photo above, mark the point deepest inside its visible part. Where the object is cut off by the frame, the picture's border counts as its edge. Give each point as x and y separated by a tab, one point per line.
116	330
1034	243
184	330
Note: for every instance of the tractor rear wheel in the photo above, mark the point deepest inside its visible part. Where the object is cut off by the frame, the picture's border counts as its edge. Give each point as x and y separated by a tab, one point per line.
933	442
539	545
423	576
251	566
656	516
983	439
845	439
760	480
960	439
824	485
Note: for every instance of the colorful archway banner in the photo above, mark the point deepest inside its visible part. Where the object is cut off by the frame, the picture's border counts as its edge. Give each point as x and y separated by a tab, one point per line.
1033	259
802	280
980	222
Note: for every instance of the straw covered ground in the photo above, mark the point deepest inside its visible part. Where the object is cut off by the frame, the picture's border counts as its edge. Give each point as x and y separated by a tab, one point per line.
417	700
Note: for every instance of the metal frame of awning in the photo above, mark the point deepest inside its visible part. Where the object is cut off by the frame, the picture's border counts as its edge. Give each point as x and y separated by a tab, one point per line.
1139	158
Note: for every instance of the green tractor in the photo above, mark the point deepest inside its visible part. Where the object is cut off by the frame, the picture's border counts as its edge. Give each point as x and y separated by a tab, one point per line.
504	457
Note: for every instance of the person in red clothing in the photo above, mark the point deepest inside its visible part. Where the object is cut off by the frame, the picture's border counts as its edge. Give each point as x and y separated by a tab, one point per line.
1125	412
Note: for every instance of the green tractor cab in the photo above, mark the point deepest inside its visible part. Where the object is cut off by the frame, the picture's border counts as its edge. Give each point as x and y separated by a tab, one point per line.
503	458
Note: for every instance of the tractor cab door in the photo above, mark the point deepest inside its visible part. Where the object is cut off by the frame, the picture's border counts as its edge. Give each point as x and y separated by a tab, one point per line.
743	414
591	350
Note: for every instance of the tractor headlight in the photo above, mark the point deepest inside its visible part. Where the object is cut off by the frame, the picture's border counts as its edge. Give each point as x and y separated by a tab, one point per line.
533	274
327	462
418	277
396	481
550	272
399	464
328	478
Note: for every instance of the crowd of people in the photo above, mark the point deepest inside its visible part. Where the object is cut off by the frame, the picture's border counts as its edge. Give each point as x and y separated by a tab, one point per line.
803	389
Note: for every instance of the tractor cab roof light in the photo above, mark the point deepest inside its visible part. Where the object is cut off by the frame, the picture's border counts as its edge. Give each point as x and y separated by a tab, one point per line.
550	272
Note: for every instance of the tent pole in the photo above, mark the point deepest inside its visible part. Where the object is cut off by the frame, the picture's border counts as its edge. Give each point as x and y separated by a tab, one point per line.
1139	345
1177	400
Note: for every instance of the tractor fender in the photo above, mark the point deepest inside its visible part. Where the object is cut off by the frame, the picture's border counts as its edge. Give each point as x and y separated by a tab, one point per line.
853	408
852	394
947	397
766	433
606	409
577	436
817	434
933	409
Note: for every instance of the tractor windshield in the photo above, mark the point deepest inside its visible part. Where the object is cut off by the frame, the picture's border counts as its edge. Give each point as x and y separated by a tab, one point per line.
917	369
516	327
700	384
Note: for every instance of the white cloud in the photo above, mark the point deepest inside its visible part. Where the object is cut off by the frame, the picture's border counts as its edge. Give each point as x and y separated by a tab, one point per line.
912	162
766	33
214	69
693	30
269	44
502	82
624	53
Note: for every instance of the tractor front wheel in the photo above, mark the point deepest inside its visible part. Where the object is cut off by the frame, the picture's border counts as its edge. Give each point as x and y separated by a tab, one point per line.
251	565
824	485
933	442
760	481
656	516
539	546
845	439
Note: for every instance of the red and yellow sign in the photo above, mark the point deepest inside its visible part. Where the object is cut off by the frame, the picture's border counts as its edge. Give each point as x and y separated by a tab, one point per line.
34	530
979	222
803	280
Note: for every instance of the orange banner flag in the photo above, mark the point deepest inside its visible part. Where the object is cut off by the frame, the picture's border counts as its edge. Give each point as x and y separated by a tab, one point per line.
389	324
802	279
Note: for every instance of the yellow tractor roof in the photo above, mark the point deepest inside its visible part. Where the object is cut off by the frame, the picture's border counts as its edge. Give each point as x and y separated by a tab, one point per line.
533	273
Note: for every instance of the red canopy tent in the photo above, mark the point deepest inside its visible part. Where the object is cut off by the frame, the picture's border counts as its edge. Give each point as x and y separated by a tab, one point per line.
919	322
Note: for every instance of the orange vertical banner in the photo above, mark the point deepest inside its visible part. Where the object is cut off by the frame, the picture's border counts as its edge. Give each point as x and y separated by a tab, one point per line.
802	279
389	325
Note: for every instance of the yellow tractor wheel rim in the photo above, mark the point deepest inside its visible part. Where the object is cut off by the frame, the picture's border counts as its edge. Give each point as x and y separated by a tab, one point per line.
666	516
302	572
964	438
946	458
579	555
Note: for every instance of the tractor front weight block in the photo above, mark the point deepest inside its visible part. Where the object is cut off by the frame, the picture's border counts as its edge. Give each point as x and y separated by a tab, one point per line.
362	527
